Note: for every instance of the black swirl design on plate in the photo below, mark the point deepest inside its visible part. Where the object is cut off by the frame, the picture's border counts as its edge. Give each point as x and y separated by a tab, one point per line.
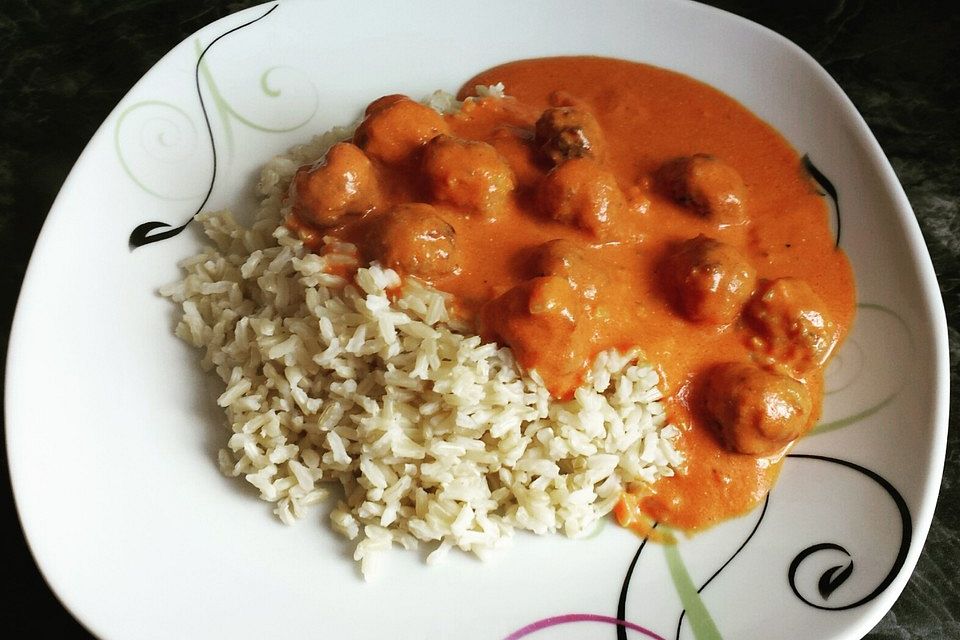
141	235
622	602
716	573
824	183
835	576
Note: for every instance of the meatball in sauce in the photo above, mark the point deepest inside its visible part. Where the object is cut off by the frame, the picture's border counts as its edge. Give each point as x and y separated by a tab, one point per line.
564	133
756	411
581	194
706	185
467	174
343	182
789	327
640	209
396	128
709	281
415	240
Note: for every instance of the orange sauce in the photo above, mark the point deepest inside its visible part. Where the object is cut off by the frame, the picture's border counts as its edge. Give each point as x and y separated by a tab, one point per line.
649	116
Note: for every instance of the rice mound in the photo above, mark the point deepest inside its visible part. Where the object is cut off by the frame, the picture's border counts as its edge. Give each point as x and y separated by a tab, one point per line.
433	435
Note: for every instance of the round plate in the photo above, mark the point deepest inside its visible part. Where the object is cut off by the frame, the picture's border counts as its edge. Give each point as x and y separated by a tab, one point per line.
113	430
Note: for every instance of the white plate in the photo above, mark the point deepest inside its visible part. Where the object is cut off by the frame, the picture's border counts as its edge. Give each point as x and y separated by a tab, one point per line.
112	429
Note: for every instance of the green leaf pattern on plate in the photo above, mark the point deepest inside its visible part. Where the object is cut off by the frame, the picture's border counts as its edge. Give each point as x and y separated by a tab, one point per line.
868	376
150	135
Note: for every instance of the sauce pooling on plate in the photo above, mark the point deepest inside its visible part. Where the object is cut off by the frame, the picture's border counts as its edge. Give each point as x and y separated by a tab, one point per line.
610	204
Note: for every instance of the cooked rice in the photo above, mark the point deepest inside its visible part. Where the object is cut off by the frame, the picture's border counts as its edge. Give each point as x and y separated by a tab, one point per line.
433	435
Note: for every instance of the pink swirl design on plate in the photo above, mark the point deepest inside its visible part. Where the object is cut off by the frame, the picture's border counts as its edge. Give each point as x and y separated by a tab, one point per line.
545	623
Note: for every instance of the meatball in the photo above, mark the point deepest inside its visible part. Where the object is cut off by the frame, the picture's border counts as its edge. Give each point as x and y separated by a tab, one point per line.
383	102
710	281
789	325
756	411
563	133
538	320
553	296
560	257
343	182
570	260
467	174
581	194
707	185
413	239
396	128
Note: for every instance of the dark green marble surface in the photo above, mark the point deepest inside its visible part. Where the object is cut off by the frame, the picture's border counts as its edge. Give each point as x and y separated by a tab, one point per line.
64	65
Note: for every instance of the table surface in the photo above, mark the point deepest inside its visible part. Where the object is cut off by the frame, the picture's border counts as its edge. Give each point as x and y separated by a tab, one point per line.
65	65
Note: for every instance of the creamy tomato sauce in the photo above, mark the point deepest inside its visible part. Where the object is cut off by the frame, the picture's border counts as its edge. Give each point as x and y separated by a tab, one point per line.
610	204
